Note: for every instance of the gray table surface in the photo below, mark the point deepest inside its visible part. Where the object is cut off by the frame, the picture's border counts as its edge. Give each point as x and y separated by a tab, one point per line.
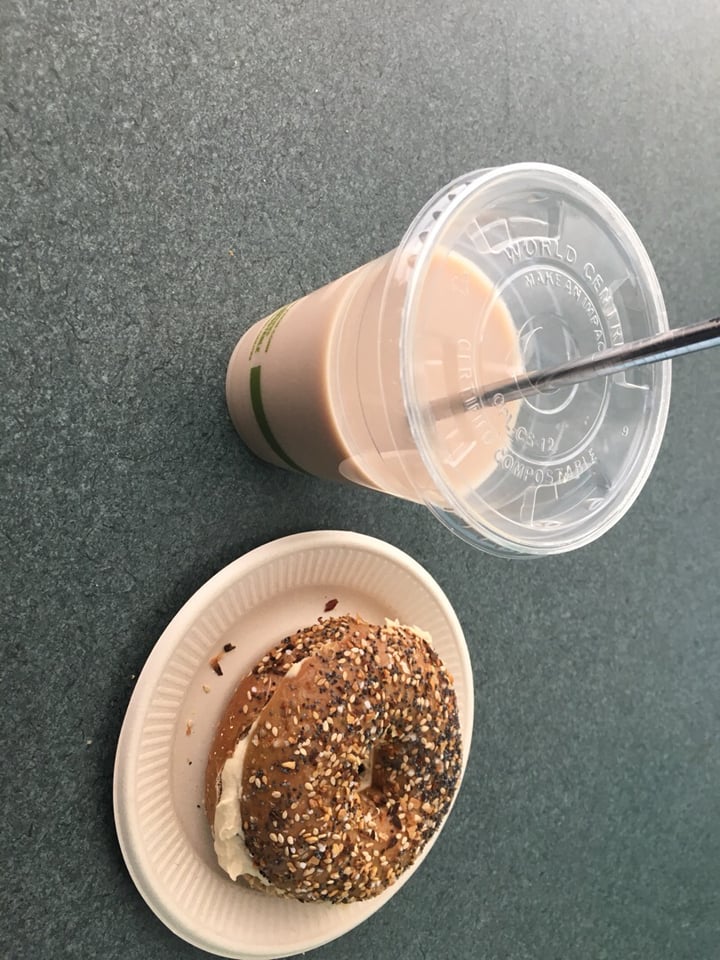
169	173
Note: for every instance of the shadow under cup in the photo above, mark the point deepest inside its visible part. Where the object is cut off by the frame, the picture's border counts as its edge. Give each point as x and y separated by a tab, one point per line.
375	378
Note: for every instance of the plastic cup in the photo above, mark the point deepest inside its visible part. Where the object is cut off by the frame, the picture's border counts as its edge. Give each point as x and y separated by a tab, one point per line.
374	379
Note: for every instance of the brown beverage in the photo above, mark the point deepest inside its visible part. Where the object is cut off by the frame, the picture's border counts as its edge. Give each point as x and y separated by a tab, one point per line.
316	386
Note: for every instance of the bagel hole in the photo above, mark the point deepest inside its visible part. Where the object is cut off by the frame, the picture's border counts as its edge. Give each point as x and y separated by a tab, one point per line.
365	771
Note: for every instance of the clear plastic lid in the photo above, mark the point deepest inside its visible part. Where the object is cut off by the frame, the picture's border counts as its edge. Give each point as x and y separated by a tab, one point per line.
510	270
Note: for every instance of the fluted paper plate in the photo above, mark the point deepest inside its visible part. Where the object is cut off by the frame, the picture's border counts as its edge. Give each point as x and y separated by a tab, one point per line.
160	763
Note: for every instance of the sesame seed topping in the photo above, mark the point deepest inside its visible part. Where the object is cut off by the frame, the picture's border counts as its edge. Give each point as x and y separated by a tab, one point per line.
310	783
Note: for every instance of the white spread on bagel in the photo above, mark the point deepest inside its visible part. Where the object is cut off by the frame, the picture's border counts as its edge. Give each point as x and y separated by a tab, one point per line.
228	836
423	634
229	840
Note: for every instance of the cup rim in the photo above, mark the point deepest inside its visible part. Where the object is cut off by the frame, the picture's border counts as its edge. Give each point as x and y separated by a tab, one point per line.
410	263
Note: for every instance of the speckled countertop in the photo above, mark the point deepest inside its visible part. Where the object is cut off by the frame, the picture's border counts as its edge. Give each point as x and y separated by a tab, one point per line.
170	172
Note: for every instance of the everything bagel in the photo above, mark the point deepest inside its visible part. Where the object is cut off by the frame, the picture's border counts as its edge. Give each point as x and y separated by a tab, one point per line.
335	762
